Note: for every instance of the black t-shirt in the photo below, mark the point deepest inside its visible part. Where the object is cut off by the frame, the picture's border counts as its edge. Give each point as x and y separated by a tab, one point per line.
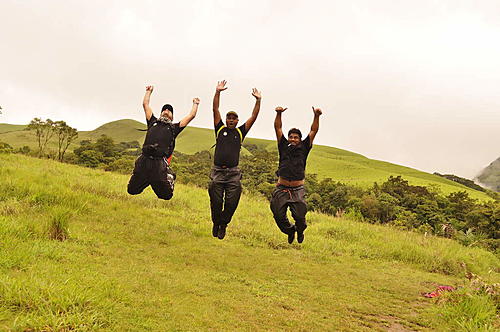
228	145
162	135
293	159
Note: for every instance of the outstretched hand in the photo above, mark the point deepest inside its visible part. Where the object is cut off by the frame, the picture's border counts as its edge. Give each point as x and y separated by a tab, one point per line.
256	94
280	109
196	100
317	111
221	86
149	88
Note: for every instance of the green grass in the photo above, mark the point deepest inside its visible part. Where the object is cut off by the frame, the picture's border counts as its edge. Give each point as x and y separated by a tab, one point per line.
338	164
136	263
5	127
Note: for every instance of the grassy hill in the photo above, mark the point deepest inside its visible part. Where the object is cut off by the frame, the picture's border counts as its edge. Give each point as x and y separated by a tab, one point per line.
5	127
135	263
338	164
490	176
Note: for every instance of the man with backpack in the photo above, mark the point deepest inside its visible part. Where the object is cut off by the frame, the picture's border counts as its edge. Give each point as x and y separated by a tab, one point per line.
225	186
290	192
153	165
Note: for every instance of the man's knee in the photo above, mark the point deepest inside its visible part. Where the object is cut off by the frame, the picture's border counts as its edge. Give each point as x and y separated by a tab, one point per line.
300	225
133	191
165	196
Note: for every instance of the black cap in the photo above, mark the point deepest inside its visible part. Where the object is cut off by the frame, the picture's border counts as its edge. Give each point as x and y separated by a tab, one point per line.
231	113
168	107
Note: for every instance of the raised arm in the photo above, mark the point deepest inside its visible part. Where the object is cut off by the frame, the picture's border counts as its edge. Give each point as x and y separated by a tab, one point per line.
249	123
277	122
221	86
145	102
315	124
187	119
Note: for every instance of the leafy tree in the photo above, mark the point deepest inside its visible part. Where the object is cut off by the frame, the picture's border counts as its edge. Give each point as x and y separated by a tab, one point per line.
65	136
44	130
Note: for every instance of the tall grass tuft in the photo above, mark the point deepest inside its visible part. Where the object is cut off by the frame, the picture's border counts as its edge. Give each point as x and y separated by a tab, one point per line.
58	224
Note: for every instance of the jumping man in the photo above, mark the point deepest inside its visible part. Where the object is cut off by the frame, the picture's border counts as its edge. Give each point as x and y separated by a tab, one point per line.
153	165
289	192
225	187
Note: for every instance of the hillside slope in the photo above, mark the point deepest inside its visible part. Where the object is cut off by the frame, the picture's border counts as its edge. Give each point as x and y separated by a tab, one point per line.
138	263
338	164
5	127
490	176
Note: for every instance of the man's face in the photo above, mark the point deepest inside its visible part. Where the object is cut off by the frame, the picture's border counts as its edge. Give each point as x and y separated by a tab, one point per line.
294	139
231	121
167	114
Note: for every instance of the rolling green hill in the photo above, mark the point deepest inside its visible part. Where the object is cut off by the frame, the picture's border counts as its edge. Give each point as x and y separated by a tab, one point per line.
490	176
135	263
5	127
338	164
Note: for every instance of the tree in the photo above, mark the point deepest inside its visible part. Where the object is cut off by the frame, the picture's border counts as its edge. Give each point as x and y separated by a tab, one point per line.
65	136
44	130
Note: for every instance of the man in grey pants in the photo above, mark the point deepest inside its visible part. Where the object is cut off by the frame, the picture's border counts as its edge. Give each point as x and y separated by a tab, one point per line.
289	192
225	186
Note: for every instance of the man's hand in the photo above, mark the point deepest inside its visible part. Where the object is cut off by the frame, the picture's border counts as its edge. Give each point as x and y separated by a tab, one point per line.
149	88
256	94
317	111
221	86
280	109
196	101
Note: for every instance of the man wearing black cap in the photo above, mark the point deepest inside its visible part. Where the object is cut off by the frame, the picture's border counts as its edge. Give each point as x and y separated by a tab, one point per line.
153	165
225	187
289	192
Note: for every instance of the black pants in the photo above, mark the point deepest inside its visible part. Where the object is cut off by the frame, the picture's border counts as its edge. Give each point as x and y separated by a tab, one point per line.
152	172
225	193
289	197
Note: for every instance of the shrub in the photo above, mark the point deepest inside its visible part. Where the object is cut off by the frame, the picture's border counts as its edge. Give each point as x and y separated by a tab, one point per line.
57	226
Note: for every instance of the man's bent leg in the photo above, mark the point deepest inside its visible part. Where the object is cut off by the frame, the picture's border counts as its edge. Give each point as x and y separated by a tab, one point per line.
233	194
298	208
139	181
163	189
279	204
216	193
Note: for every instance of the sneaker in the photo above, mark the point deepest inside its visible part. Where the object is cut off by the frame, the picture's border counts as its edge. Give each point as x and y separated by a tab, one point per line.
222	232
215	230
291	237
300	237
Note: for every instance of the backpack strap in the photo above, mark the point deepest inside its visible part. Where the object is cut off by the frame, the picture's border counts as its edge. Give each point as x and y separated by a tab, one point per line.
237	129
218	131
241	135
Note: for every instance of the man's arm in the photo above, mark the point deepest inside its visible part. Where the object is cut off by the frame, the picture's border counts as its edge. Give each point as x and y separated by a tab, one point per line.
221	86
187	119
315	124
249	123
277	122
145	102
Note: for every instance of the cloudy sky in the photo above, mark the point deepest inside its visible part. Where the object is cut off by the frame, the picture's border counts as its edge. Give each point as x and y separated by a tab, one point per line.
411	82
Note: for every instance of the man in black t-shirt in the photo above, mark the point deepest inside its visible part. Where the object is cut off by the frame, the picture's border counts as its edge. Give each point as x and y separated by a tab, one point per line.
225	186
153	165
289	192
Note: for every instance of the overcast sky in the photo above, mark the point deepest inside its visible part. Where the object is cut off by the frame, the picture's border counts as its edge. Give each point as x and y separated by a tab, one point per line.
415	83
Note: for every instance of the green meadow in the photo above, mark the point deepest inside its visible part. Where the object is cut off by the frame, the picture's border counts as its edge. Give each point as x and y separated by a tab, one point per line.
136	263
338	164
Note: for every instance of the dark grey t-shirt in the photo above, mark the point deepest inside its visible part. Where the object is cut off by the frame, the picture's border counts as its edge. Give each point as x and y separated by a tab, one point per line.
292	164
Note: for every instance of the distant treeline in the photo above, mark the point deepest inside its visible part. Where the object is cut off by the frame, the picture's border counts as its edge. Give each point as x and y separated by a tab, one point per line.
394	202
465	182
